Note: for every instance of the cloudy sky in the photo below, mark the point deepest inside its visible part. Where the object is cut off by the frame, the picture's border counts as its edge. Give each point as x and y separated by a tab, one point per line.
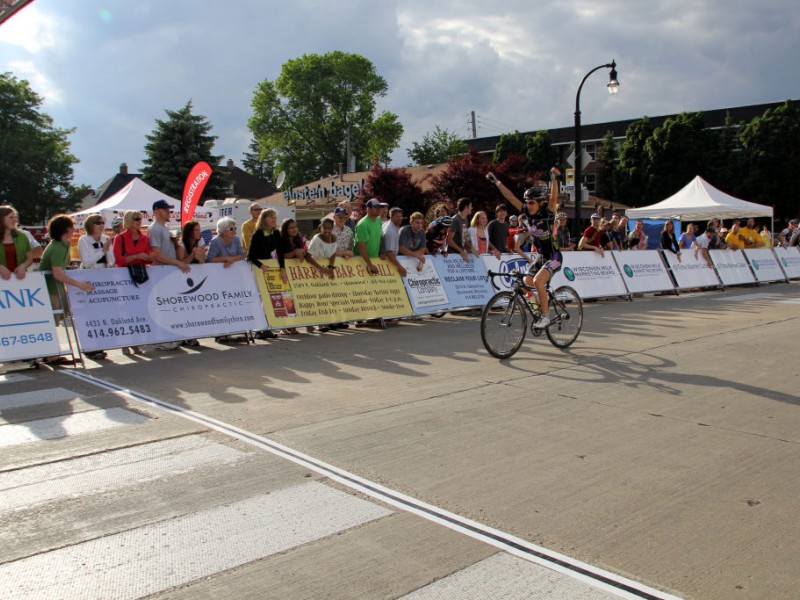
110	68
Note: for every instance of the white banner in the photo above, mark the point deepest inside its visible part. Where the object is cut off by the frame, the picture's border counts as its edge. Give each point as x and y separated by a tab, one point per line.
27	328
591	275
691	272
731	267
765	265
208	301
506	264
643	271
424	286
789	259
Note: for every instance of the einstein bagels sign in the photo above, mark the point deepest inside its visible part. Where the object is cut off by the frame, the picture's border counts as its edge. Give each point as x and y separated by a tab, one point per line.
319	191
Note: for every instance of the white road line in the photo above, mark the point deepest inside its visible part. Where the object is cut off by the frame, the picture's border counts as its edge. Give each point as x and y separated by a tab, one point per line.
505	577
620	586
74	424
156	557
753	296
13	378
47	396
29	487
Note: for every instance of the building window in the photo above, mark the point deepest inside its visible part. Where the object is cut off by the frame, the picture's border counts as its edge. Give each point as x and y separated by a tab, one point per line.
590	181
591	150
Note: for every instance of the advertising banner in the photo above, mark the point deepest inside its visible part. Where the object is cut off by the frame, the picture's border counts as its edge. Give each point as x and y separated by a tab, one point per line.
27	328
208	301
691	272
591	275
506	264
731	267
789	259
765	265
310	298
643	271
424	286
465	282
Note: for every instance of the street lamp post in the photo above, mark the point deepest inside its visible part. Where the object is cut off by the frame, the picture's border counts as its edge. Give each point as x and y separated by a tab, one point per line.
613	87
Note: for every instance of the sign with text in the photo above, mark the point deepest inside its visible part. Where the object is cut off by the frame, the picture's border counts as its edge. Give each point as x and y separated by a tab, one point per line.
27	327
591	275
765	265
311	298
789	258
465	282
424	286
731	267
643	271
208	301
691	272
505	264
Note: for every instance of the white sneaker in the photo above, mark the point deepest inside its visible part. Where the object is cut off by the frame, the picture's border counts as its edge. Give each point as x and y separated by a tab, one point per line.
543	322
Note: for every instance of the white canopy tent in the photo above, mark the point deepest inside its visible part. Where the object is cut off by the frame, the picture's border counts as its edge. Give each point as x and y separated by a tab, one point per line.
701	201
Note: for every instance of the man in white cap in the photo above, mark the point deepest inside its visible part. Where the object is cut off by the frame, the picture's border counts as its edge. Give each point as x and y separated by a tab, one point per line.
591	239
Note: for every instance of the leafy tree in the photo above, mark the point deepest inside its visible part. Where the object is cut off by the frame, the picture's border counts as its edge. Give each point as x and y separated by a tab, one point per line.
396	188
306	115
35	161
540	153
174	147
607	175
257	165
508	144
437	147
634	164
771	159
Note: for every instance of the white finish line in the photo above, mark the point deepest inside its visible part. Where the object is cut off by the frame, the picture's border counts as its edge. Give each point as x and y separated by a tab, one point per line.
617	585
24	488
48	396
74	424
187	548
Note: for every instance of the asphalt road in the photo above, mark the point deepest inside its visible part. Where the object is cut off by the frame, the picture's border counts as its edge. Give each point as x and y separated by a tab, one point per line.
662	448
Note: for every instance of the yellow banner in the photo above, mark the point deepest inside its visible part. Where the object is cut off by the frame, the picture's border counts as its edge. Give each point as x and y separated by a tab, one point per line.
311	298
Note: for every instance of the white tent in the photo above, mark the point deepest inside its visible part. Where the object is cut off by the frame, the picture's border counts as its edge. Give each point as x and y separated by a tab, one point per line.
700	201
137	195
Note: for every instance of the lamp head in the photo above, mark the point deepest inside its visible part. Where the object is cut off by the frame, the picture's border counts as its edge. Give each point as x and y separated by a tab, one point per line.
613	84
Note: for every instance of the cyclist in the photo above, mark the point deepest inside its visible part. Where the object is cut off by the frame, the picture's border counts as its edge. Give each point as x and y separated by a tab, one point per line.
539	211
436	234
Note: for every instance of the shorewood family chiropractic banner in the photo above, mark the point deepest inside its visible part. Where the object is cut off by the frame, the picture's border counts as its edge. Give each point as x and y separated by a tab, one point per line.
27	328
311	298
789	259
208	301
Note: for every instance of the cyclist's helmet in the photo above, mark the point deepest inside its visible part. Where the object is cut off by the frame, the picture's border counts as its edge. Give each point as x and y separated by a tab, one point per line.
536	192
445	221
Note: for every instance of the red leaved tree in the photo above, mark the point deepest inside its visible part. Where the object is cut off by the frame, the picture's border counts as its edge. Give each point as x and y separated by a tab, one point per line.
395	187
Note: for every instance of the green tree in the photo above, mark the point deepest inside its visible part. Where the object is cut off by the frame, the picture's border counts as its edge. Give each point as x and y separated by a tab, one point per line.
633	169
437	147
607	175
510	144
35	160
258	165
540	153
174	147
306	116
771	159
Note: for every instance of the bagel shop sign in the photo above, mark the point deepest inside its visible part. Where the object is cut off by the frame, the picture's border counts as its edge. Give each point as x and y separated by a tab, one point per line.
319	191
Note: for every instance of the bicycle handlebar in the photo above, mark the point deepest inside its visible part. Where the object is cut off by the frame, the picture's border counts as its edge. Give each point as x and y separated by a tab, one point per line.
515	274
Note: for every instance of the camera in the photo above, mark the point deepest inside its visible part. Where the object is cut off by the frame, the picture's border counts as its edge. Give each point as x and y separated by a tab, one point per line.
97	245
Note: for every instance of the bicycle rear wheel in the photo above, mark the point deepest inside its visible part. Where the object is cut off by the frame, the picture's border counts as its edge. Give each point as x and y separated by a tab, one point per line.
503	324
566	317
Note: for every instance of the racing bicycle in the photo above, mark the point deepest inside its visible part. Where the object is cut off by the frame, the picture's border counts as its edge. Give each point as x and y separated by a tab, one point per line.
504	321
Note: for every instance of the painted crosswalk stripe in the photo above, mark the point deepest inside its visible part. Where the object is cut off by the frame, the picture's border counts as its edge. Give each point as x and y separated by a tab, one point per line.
503	576
13	378
74	424
29	487
157	557
47	396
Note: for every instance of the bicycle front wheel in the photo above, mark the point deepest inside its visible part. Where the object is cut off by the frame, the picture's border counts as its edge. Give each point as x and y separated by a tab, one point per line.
566	317
503	324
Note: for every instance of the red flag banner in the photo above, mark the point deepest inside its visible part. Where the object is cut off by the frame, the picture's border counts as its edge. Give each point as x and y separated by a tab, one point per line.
192	190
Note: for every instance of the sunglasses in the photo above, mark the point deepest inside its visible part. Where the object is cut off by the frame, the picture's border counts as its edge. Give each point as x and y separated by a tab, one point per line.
100	223
231	228
137	219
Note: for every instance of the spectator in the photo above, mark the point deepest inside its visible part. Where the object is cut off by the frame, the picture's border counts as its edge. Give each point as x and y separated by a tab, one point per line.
513	230
162	244
687	238
479	237
606	240
116	227
614	233
457	238
442	211
702	244
735	240
722	237
637	239
94	246
368	235
323	246
498	229
785	236
749	232
294	246
384	213
668	240
766	236
17	254
592	236
343	233
191	247
563	238
436	235
132	247
265	245
349	220
391	238
412	240
226	247
249	226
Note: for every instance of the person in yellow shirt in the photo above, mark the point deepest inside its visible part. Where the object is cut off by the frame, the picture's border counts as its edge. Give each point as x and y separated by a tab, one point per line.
752	239
249	226
735	240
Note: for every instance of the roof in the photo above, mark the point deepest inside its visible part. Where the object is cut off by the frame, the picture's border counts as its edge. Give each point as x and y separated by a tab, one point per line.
248	186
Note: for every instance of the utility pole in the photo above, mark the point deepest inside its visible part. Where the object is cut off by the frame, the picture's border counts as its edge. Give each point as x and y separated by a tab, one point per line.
474	126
